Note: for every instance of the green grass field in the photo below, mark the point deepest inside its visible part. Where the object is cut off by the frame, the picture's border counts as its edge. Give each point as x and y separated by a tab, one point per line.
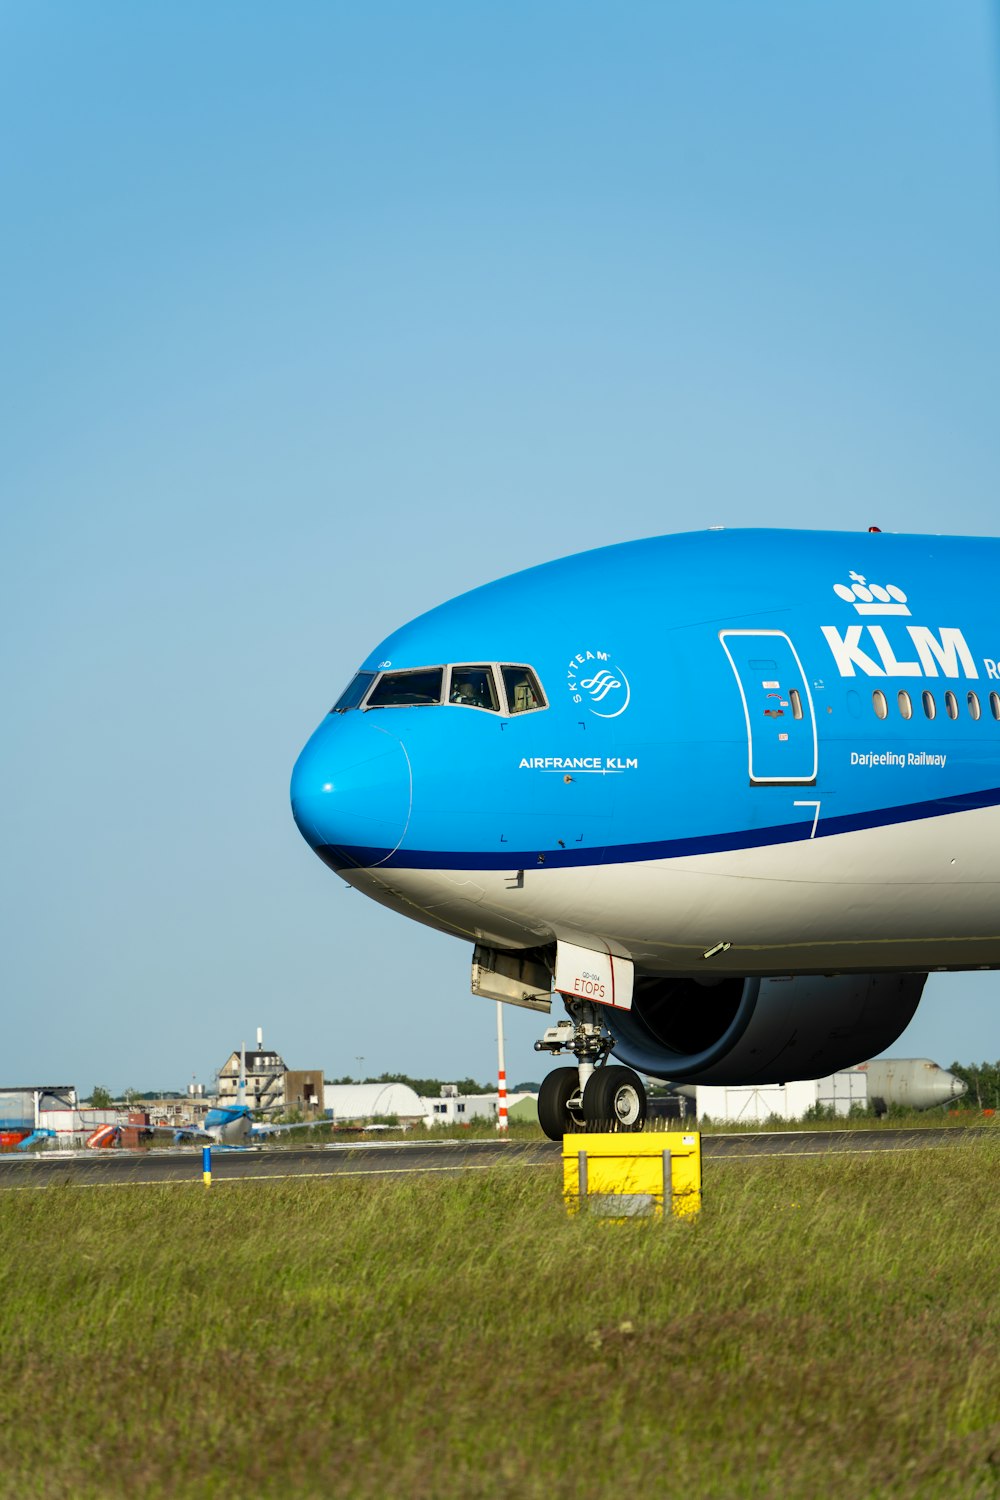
828	1327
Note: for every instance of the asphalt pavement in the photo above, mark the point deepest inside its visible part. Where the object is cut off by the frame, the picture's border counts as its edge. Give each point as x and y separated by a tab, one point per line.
395	1159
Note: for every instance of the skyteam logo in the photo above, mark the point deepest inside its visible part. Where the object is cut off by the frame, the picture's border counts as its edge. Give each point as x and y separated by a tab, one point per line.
600	686
596	682
871	598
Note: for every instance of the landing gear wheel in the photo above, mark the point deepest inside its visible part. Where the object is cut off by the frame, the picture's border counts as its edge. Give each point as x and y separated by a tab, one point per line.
558	1088
614	1099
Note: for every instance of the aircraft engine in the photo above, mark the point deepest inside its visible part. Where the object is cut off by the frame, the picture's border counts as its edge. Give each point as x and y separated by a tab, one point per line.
756	1031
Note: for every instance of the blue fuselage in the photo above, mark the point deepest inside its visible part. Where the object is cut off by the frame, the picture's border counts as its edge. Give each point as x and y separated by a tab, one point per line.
690	698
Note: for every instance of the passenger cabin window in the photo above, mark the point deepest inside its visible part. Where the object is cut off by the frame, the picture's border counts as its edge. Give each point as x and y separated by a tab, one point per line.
905	704
951	704
353	692
407	689
973	701
879	703
930	707
523	692
995	705
474	687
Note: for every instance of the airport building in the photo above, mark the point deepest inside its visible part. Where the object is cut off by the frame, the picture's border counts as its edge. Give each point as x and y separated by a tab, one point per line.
366	1103
908	1082
265	1080
177	1110
363	1103
453	1108
781	1101
22	1109
269	1084
47	1113
522	1108
304	1092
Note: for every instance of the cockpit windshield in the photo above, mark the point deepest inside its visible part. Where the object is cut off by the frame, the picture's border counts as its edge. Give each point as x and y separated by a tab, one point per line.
523	692
399	689
474	687
496	688
353	692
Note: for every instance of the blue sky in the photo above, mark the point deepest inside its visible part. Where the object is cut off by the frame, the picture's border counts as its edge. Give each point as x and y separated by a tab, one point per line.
313	316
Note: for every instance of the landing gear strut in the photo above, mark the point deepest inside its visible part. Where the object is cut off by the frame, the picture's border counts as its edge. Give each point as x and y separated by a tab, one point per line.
594	1095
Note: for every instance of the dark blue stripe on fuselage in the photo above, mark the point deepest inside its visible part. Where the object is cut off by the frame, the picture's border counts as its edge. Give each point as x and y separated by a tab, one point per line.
711	843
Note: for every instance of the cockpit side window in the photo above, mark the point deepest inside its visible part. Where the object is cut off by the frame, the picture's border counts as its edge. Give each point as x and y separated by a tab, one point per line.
474	687
353	692
404	689
523	692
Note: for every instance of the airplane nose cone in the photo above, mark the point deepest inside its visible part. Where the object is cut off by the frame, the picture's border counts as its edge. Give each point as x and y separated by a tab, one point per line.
351	791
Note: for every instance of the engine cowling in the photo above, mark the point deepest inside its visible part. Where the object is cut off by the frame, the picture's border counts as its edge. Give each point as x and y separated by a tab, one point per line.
755	1031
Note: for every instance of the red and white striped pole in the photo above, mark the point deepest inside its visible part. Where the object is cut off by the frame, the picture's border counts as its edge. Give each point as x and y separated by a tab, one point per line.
501	1073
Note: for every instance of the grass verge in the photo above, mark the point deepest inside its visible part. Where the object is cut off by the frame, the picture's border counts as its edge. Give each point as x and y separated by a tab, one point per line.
828	1327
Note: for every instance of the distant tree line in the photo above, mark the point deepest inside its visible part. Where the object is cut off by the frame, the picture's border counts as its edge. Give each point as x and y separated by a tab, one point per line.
983	1083
426	1087
101	1097
430	1088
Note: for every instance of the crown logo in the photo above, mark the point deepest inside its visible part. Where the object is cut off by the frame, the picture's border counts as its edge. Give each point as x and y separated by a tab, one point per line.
872	598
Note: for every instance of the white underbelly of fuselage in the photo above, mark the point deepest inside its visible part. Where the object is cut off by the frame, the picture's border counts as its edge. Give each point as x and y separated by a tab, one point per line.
911	896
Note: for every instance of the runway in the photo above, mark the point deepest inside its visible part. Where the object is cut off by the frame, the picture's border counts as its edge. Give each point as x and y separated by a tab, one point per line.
397	1159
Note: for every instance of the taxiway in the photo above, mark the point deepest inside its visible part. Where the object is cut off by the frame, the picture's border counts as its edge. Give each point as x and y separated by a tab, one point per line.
396	1159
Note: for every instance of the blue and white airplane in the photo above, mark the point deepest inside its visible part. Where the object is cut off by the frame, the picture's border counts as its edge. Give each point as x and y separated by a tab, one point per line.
730	795
231	1125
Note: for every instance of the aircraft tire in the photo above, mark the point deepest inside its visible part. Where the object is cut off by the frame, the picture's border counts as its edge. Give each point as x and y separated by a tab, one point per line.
558	1087
614	1099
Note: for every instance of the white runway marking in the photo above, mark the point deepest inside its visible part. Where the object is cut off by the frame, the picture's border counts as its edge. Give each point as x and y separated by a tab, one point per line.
798	1155
197	1181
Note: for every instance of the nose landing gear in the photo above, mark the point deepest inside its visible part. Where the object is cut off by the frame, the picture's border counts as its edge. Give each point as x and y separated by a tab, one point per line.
614	1099
560	1103
594	1095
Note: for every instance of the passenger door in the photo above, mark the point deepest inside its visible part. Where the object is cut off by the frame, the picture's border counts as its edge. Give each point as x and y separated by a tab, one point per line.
777	705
